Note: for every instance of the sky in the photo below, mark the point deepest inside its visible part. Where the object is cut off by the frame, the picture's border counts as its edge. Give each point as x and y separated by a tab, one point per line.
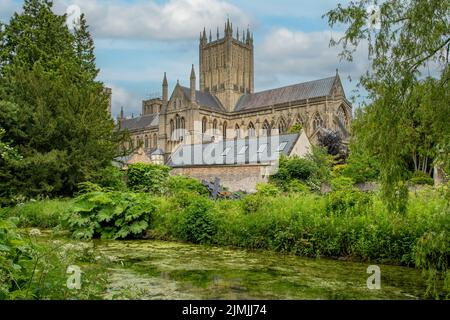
138	40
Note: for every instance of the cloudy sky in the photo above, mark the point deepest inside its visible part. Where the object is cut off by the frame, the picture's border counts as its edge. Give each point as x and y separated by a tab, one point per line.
138	40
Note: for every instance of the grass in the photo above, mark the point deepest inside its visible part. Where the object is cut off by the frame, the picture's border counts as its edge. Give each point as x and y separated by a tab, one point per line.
43	214
300	224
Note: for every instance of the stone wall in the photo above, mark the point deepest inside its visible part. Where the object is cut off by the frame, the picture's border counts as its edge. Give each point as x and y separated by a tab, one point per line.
234	178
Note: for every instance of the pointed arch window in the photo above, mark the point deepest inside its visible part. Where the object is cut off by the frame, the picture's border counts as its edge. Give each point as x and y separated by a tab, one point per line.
266	131
215	127
317	121
155	141
282	128
342	116
204	125
172	129
146	142
237	131
251	129
224	132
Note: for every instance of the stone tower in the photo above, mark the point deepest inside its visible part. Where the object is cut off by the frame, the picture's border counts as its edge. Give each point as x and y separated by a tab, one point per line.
226	65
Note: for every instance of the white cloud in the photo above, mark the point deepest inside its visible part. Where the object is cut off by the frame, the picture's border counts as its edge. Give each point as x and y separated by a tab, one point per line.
123	98
300	56
173	20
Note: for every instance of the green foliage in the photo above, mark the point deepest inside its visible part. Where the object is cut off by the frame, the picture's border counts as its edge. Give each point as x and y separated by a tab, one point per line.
86	187
432	254
296	128
314	169
252	203
150	178
177	184
267	189
110	215
43	214
421	178
404	124
296	186
53	111
361	167
342	184
14	254
111	178
198	226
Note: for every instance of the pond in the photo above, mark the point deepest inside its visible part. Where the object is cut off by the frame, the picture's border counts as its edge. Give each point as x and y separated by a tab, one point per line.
168	270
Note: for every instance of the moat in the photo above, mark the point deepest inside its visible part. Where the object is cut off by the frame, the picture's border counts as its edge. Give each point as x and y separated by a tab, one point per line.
168	270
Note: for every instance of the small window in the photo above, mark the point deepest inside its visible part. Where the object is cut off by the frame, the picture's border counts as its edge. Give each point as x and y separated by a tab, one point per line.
243	150
282	146
262	148
225	152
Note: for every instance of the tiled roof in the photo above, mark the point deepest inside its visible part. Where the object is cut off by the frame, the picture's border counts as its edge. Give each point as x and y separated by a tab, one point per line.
237	151
297	92
205	99
142	122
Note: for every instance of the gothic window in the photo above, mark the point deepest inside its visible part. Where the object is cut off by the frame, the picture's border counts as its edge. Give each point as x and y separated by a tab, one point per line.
172	128
204	124
146	142
177	127
266	129
251	129
342	116
282	126
215	126
155	141
237	131
317	122
183	127
224	132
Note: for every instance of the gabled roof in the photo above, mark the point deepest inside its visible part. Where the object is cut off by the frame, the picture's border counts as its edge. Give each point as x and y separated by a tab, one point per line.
297	92
204	99
142	122
231	152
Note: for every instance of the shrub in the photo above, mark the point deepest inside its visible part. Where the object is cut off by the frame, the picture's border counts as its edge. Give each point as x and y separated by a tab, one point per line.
198	225
296	186
342	184
110	215
251	203
150	178
177	184
112	178
86	187
267	189
361	167
432	255
421	178
39	214
345	198
14	254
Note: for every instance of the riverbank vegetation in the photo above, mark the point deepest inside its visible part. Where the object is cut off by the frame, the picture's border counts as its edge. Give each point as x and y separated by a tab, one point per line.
344	224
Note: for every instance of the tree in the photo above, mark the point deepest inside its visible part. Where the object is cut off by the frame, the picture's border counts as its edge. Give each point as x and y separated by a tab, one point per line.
84	48
53	111
413	36
332	141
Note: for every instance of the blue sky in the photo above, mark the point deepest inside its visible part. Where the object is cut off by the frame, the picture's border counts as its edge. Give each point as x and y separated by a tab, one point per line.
138	40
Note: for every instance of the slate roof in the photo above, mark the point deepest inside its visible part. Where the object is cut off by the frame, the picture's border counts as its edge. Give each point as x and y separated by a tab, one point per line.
297	92
232	152
205	99
142	122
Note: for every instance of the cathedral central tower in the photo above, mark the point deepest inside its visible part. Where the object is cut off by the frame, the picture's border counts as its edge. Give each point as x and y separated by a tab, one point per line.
226	65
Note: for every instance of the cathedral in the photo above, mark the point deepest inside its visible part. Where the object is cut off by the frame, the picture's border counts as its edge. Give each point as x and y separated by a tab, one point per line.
223	104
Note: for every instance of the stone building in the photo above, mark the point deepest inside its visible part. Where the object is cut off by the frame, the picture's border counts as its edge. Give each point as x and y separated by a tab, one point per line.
225	105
